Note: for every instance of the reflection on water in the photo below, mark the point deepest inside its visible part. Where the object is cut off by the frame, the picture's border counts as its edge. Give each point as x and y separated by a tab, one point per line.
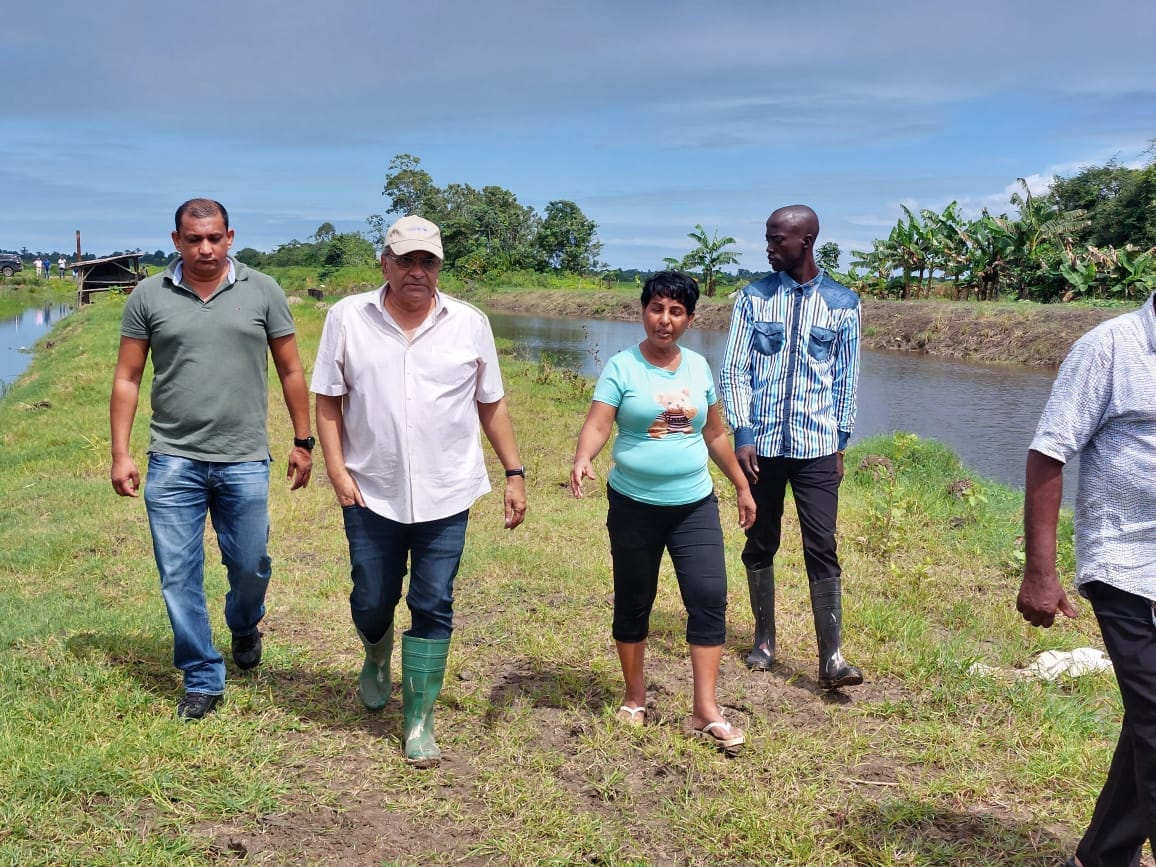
19	334
986	413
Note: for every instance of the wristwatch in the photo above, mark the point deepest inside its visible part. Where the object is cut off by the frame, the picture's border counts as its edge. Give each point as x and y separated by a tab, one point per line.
308	443
517	471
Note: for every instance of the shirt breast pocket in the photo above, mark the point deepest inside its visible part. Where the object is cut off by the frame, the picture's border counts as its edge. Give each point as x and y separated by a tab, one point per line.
768	337
821	342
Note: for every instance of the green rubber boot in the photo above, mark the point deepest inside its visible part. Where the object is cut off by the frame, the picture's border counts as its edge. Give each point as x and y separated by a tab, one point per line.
374	683
423	668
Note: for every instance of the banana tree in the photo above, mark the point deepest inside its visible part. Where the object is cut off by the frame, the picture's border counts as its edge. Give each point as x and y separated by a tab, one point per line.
710	255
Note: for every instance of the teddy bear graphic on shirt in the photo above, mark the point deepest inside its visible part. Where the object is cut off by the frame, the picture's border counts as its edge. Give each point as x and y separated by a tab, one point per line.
675	416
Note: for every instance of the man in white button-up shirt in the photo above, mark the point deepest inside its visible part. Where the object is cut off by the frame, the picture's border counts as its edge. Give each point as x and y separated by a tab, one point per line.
406	378
1103	408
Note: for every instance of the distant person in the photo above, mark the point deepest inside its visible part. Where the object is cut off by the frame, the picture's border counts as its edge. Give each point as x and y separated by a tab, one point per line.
406	379
661	496
210	323
38	264
1103	410
788	380
61	265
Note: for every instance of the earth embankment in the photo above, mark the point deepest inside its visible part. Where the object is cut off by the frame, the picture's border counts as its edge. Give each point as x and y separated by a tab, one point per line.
1018	333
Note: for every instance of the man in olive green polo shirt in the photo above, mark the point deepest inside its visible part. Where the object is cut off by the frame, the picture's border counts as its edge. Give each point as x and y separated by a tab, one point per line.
211	323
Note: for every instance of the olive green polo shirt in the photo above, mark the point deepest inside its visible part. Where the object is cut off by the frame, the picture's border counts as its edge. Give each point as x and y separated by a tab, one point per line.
210	390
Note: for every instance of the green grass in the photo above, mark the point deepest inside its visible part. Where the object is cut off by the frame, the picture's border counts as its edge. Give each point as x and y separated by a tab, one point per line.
923	765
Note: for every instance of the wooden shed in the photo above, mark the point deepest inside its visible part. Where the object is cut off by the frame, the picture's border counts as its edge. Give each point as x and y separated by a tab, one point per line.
100	275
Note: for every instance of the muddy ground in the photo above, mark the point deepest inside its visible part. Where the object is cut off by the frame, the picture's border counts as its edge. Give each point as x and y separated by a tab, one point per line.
353	802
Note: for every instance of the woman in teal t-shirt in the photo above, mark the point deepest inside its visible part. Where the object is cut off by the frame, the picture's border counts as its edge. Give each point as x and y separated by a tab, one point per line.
662	397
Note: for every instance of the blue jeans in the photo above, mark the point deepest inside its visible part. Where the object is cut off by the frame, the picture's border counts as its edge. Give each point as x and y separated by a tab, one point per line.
378	551
179	492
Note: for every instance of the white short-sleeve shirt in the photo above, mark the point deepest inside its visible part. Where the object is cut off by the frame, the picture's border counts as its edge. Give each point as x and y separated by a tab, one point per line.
411	429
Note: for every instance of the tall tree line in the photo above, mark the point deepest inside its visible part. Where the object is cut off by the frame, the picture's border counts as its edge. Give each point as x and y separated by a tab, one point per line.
489	230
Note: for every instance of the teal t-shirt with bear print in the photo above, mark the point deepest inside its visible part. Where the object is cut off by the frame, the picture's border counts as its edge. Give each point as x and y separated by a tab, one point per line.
659	454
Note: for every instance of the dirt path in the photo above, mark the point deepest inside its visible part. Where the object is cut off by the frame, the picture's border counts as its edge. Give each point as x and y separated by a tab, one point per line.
1001	332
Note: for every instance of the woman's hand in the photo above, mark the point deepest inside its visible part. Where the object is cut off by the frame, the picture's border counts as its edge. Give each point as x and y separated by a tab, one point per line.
581	471
746	508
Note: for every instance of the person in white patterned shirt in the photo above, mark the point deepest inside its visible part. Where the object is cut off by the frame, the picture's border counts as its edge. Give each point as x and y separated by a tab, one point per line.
1103	408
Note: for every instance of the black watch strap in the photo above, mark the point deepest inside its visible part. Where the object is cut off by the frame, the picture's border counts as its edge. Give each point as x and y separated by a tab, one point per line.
517	471
308	443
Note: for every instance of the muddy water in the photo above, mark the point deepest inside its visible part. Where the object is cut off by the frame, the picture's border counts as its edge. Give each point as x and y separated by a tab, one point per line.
19	333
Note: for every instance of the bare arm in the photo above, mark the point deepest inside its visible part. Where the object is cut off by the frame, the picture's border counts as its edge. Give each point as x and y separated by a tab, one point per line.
718	446
292	375
330	430
130	364
499	430
595	433
1041	597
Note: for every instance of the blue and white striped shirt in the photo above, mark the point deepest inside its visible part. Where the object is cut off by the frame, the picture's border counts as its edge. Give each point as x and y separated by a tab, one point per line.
791	368
1103	408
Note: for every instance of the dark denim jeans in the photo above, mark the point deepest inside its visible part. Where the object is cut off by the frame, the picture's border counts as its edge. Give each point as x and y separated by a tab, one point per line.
179	493
379	550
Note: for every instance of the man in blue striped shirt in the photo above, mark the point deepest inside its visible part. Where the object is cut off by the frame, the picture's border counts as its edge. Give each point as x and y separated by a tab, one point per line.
788	380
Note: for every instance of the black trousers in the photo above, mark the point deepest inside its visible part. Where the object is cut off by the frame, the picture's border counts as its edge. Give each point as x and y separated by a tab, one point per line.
1125	814
692	534
815	484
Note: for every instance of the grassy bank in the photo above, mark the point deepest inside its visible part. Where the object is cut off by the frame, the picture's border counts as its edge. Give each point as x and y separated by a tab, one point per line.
922	765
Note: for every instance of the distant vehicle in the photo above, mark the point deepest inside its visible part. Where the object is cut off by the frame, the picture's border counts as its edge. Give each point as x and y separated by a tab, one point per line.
10	263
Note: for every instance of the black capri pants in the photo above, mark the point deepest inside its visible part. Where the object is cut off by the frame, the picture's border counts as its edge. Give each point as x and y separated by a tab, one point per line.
639	533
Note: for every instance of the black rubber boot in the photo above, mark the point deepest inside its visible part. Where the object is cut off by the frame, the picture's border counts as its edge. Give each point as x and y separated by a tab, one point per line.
761	584
827	606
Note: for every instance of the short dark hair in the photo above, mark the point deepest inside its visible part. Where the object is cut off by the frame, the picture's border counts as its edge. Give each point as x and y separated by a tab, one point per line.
674	285
199	209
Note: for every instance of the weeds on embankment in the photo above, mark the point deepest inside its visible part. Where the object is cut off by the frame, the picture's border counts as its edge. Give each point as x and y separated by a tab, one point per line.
922	765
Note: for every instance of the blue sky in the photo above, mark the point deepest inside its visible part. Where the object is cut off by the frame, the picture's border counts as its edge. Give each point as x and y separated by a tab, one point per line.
653	117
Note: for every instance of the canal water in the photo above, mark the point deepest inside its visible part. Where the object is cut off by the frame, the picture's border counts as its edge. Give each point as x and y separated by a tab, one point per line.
19	333
985	413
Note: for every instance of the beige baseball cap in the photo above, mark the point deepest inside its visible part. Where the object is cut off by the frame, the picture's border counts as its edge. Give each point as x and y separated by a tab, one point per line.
414	233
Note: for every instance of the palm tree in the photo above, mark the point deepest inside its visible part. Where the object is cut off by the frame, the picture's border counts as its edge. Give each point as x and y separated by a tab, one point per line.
879	261
903	245
709	256
989	244
1040	228
945	234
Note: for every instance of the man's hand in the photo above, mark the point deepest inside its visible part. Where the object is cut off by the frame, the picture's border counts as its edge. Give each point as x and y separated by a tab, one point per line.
348	494
1041	597
125	477
300	467
749	461
515	501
